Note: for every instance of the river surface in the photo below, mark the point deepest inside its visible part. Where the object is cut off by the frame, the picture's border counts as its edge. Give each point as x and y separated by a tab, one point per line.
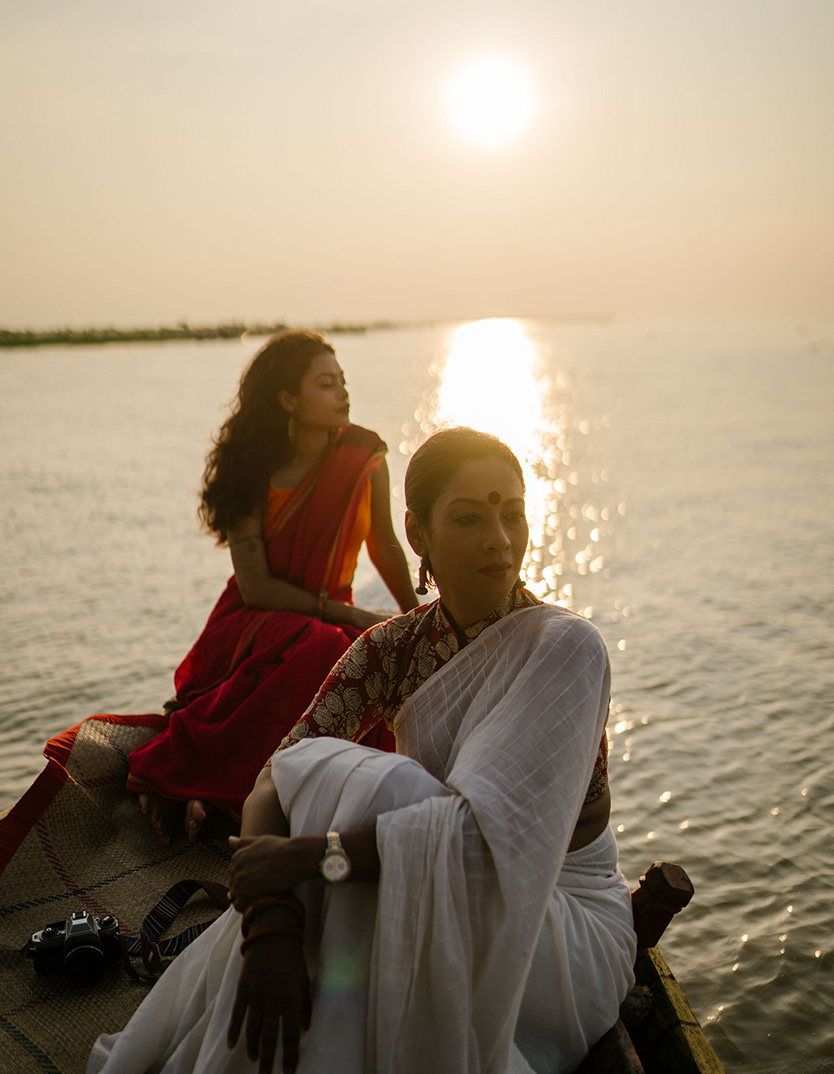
680	495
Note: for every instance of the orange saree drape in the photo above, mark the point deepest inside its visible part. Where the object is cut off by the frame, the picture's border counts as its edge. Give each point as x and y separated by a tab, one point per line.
251	673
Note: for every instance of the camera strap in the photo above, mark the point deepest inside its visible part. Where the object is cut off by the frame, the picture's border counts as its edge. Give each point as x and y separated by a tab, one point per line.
147	944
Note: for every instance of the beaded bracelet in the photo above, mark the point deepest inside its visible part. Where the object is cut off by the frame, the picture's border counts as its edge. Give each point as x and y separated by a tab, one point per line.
288	900
278	931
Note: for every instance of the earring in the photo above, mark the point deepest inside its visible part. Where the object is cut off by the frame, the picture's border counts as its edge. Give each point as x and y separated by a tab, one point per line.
291	428
422	583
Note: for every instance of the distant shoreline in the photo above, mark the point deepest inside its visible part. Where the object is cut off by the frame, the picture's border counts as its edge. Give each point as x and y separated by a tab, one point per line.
230	330
182	331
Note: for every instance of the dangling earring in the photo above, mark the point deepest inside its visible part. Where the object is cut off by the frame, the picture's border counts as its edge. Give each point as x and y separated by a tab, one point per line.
291	433
422	582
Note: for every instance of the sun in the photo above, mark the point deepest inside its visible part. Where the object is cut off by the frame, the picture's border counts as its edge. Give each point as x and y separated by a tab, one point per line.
491	100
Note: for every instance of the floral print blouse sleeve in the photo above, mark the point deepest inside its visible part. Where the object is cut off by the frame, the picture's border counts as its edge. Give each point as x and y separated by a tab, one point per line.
355	695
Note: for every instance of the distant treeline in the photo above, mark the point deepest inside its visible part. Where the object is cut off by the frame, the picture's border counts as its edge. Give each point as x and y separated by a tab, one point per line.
232	330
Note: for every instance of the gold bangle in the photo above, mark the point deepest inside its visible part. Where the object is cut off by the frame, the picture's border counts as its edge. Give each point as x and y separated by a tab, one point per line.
321	600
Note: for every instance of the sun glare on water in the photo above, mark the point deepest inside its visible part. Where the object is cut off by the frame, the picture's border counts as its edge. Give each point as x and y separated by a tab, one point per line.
498	375
491	100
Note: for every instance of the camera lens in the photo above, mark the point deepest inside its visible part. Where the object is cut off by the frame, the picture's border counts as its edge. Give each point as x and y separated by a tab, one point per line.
84	963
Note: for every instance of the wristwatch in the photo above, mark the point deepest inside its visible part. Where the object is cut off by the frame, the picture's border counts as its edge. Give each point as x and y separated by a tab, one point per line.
335	865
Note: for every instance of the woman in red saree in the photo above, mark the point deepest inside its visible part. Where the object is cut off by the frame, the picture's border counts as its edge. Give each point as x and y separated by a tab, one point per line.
294	490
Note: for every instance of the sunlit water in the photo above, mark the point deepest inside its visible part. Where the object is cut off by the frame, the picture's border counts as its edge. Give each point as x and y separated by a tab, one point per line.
680	494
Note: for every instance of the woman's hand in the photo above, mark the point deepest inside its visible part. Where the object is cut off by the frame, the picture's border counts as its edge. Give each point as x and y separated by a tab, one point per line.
361	619
264	864
273	988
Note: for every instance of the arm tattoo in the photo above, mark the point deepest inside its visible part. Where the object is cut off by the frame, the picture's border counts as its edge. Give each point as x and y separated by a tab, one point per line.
250	542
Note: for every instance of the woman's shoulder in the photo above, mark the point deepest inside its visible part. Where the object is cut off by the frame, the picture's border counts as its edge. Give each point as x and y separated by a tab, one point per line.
558	625
554	613
359	436
404	625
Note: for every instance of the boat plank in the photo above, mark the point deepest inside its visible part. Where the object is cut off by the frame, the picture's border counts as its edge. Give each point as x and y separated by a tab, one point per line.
669	1039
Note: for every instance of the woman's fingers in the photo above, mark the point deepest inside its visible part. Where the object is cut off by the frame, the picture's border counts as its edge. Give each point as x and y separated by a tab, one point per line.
238	1014
290	1037
261	1030
268	863
306	1006
268	1044
361	619
254	1021
273	991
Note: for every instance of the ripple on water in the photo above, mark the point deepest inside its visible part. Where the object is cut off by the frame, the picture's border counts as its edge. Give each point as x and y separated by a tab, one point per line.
712	590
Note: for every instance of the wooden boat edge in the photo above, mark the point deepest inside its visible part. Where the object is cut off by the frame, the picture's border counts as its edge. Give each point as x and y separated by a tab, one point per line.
670	1039
657	1031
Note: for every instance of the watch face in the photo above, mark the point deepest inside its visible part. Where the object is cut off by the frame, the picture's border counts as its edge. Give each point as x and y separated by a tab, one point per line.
335	867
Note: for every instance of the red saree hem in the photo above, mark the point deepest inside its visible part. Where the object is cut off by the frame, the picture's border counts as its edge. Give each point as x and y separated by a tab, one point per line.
20	818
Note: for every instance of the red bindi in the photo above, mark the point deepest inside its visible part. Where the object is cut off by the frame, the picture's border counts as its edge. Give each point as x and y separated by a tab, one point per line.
494	497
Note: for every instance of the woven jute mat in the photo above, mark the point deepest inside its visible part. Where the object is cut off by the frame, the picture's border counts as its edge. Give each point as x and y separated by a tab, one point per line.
77	841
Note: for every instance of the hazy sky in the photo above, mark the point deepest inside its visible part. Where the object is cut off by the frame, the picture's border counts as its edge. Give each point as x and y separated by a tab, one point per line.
200	160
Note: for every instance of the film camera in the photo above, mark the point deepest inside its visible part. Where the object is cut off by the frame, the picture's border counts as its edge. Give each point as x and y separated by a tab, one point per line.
81	945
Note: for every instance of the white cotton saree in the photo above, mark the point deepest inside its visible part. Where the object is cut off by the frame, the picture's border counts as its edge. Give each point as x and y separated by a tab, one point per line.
486	948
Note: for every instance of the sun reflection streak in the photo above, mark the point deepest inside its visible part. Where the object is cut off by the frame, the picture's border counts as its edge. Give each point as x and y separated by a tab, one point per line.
493	376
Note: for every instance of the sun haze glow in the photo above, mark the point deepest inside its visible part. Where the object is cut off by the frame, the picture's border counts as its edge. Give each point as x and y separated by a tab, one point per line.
491	100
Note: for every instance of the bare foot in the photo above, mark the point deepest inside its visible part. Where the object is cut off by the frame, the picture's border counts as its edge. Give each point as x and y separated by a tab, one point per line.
162	813
197	813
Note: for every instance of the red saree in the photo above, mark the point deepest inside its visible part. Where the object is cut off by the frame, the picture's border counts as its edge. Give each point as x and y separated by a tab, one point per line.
252	673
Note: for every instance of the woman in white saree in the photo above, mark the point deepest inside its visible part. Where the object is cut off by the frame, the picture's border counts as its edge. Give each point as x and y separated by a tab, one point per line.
483	926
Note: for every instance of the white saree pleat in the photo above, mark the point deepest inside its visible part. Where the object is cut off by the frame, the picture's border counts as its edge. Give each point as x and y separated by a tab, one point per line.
483	927
511	726
582	966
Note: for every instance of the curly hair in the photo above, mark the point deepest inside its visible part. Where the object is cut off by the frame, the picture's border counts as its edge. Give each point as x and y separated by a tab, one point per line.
254	440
